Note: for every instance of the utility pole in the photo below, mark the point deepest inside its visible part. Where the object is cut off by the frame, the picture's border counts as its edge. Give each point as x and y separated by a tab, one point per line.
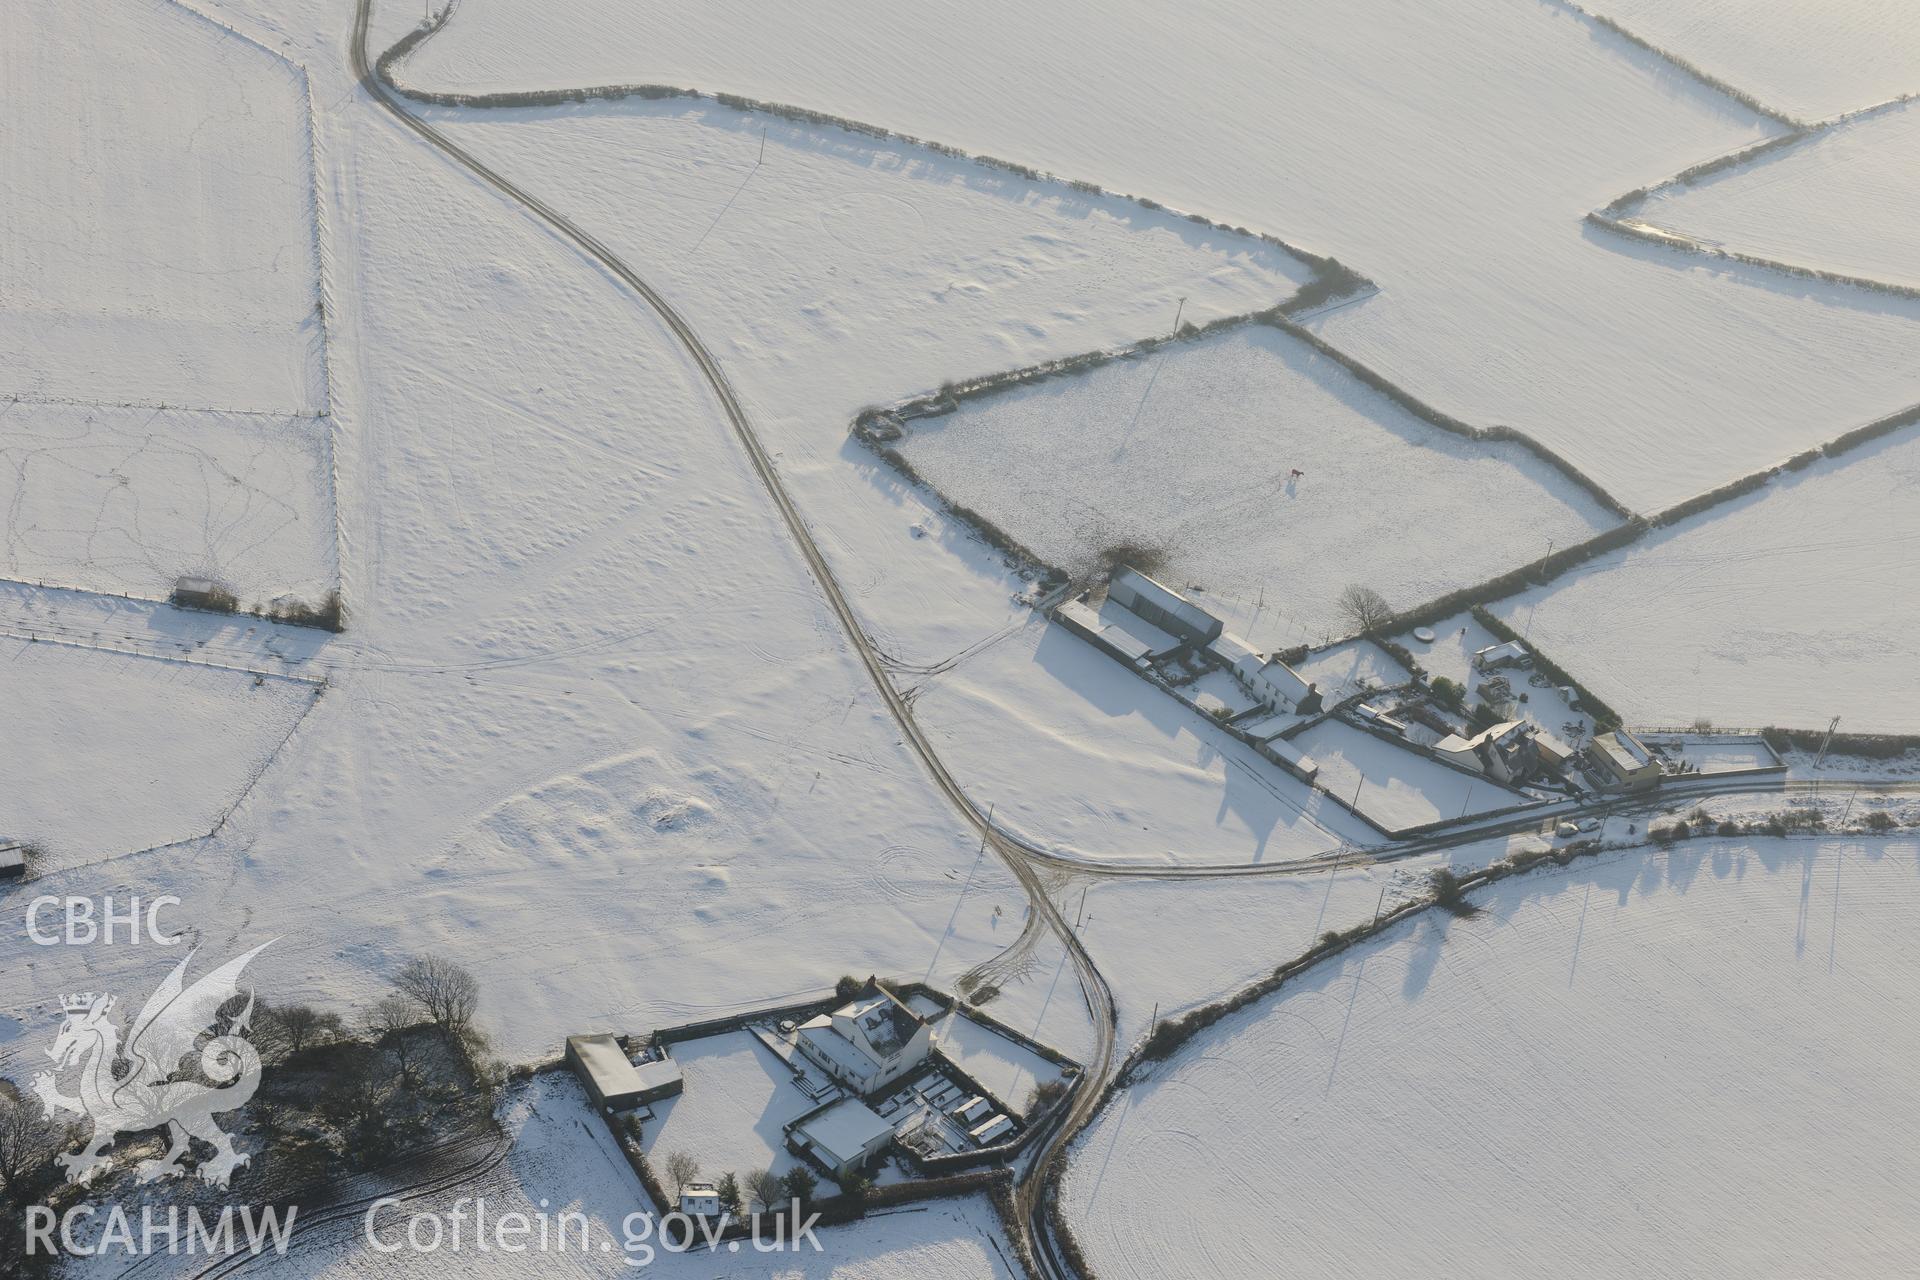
1467	801
1176	316
1820	759
763	146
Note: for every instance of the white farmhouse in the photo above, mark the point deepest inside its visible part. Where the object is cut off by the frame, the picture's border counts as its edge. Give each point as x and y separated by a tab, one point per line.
867	1043
1269	681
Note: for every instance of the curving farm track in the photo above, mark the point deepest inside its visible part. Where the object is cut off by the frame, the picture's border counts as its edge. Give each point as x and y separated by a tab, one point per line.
1019	858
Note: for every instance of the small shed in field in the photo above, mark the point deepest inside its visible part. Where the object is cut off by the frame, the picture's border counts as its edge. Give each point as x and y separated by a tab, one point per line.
201	593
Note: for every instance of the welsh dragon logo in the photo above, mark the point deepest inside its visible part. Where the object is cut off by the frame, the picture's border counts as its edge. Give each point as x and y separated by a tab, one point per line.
134	1087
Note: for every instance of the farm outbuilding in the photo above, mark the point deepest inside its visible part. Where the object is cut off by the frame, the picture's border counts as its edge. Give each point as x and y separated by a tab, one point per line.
1163	607
201	593
843	1136
612	1080
1623	761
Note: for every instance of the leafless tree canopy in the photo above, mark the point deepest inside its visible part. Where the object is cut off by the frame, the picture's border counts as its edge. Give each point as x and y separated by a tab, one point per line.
28	1138
682	1168
390	1022
441	989
766	1188
284	1030
1365	609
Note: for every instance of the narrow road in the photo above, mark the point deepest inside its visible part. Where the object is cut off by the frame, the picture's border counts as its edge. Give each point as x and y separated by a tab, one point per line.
1018	857
1039	1179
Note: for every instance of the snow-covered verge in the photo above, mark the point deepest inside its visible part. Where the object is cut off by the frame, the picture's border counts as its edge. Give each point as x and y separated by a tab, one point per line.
1840	201
126	500
1787	606
1514	120
1808	58
1661	1063
1253	466
161	243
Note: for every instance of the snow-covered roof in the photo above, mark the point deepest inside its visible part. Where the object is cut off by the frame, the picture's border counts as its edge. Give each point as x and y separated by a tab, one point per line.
1285	679
1511	650
1496	733
1162	605
661	1073
1234	651
1624	750
843	1131
1268	727
991	1131
885	1022
1552	745
606	1065
862	1034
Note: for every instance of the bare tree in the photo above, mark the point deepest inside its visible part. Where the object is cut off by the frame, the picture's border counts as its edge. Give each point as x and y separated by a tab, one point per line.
1044	1095
444	991
287	1029
390	1022
682	1168
1365	609
28	1138
766	1188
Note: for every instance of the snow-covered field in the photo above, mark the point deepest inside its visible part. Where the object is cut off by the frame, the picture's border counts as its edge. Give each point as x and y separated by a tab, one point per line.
1085	758
1842	201
1809	58
590	732
126	500
1190	451
1448	152
159	211
1690	1064
1788	606
92	753
593	733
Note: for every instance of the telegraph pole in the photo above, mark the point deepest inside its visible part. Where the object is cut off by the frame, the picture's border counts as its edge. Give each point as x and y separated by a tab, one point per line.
1820	759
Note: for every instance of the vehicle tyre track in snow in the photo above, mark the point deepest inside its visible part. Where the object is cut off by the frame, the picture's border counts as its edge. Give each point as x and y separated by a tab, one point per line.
1020	859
